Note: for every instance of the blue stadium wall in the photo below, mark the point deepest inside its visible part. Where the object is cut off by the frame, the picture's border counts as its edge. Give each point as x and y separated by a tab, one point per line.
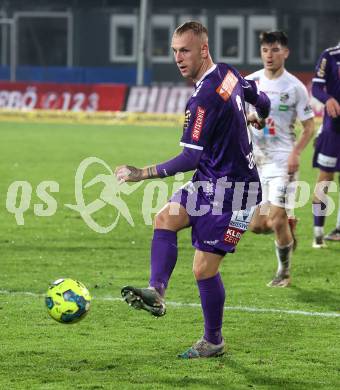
91	34
122	74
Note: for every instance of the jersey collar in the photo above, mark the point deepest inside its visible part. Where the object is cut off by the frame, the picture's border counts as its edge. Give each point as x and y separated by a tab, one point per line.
277	78
205	74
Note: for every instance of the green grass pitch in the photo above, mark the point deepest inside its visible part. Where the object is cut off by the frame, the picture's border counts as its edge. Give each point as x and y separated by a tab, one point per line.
116	347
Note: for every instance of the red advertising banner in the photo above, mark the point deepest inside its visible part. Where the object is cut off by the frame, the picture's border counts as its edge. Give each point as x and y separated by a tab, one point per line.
66	97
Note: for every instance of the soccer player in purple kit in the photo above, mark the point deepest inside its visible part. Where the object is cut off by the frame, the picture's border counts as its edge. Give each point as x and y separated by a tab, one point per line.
326	88
217	145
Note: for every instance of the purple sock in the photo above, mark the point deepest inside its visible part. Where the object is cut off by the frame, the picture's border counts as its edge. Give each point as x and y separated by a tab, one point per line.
212	299
163	258
318	209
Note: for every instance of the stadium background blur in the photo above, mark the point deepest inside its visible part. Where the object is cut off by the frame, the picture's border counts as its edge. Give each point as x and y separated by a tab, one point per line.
128	42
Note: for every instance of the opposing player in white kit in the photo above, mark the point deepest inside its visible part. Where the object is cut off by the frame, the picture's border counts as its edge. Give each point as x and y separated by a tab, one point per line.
277	153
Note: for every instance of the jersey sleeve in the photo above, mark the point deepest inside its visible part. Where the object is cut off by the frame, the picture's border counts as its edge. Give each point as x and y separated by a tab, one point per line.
188	160
303	108
322	71
250	90
201	117
253	96
322	68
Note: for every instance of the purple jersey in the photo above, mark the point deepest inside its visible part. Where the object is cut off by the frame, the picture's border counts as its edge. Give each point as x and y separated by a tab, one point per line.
215	124
326	83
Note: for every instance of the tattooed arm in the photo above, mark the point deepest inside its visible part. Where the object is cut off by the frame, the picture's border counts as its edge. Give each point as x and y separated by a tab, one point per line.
188	160
130	173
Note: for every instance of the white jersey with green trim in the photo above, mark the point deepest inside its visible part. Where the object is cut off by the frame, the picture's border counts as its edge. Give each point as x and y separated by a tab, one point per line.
289	100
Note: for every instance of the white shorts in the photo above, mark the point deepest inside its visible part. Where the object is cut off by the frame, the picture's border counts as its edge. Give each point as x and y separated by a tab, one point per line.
279	190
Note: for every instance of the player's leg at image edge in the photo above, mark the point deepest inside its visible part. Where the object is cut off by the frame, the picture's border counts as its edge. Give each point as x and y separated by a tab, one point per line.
319	222
334	235
320	211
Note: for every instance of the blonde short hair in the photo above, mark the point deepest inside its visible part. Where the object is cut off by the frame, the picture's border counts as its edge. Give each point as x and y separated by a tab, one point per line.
197	28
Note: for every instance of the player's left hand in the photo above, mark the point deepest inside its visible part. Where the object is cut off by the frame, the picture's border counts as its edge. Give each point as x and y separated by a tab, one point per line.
128	173
293	162
255	121
333	108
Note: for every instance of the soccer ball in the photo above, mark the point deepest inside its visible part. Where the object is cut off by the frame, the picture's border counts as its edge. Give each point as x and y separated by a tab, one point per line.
67	301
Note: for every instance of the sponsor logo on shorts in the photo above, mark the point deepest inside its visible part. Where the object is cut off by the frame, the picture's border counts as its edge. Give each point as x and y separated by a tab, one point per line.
326	161
281	189
214	242
241	219
228	84
232	235
198	124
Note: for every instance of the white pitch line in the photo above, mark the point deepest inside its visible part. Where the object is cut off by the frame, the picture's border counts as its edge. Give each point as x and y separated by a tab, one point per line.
197	305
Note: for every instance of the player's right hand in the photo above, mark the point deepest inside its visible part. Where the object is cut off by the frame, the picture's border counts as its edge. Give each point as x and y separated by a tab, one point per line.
256	121
333	108
128	173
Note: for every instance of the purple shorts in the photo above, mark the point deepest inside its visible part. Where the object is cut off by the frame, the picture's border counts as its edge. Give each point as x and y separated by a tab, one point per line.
327	151
215	232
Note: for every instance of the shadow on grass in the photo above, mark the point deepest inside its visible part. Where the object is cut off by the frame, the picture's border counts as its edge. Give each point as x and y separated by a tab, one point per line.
217	371
328	299
255	378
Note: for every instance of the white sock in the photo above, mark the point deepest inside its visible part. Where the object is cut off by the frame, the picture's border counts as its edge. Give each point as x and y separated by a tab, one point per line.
338	220
283	254
318	231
